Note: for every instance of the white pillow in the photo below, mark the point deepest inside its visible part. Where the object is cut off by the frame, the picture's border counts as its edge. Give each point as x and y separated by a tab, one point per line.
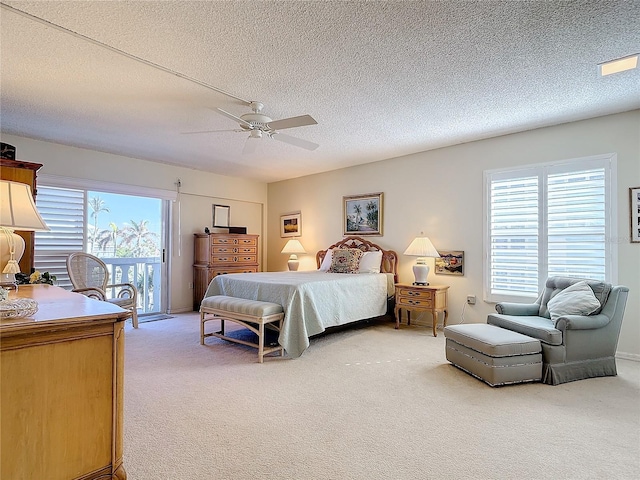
370	262
326	262
577	299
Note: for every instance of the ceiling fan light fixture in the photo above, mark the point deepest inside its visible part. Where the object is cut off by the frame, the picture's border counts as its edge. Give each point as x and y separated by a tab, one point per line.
618	65
255	134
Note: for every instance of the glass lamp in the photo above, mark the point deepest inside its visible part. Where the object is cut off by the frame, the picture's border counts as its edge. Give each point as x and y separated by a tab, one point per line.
422	248
293	247
17	212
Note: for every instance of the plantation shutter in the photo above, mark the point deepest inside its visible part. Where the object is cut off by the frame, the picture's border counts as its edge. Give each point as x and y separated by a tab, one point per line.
63	211
549	220
514	226
576	224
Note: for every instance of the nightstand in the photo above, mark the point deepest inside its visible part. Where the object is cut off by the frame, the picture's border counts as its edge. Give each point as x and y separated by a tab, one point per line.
422	298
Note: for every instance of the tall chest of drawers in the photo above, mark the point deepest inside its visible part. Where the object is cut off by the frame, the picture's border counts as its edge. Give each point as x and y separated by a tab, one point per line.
218	254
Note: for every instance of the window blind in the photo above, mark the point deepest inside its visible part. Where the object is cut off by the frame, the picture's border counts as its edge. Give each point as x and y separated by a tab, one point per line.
63	211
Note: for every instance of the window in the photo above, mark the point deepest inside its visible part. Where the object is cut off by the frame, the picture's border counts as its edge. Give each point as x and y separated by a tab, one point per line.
547	220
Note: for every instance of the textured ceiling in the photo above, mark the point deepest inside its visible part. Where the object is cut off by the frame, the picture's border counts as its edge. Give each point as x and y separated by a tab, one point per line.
382	78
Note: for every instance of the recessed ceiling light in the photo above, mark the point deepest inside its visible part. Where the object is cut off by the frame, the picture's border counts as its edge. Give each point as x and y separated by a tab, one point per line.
618	65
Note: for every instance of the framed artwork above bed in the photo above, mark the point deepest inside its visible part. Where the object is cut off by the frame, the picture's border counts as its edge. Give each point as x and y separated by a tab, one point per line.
362	214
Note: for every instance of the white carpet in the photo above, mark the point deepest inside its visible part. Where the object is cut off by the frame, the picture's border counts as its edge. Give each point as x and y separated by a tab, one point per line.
363	403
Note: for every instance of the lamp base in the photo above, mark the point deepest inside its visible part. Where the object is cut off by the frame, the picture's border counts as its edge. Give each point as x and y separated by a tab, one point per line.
421	272
420	284
293	265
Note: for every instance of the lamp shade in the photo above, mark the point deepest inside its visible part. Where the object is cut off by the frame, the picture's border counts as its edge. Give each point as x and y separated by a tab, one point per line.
17	209
293	246
421	247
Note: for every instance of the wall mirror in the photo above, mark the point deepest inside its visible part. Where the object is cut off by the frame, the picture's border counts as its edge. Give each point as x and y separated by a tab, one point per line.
221	216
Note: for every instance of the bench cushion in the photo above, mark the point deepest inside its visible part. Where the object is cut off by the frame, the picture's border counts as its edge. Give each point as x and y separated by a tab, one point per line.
254	308
492	341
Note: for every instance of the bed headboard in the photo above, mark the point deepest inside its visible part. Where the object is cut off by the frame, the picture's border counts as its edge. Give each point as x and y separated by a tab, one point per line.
389	257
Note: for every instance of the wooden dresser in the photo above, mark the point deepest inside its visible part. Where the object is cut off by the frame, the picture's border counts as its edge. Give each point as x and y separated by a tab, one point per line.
62	377
22	172
220	253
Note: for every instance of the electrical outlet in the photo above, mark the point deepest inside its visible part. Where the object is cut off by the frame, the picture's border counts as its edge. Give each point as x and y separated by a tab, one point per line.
471	299
190	285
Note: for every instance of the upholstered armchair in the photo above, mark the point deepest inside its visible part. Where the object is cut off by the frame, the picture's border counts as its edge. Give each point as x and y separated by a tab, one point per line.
578	334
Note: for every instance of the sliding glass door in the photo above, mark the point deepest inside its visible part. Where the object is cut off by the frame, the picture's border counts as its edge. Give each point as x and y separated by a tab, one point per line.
126	231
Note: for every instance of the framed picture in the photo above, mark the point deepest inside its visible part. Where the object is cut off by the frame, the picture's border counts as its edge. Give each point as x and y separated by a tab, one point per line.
451	262
291	225
362	214
221	216
634	212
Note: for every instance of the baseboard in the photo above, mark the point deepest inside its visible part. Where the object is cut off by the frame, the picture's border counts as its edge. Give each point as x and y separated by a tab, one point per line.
628	356
181	310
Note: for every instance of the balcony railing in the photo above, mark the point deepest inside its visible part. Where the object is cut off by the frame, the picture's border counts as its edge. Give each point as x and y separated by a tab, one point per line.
144	273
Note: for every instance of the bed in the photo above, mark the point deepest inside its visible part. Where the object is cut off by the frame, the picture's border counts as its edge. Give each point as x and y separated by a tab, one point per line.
316	300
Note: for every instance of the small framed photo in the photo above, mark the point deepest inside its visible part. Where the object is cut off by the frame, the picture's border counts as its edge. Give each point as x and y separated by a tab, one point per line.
291	225
451	262
221	216
362	214
634	213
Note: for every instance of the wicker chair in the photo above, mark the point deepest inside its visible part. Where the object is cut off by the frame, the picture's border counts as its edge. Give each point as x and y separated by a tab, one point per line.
90	276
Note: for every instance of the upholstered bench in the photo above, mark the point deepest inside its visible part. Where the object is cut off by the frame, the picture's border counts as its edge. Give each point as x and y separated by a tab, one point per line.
251	314
495	355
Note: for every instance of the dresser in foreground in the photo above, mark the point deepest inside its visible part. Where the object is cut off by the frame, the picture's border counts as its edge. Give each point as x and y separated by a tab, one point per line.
62	381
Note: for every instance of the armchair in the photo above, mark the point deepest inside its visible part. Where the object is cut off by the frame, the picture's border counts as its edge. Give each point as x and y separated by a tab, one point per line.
574	346
90	276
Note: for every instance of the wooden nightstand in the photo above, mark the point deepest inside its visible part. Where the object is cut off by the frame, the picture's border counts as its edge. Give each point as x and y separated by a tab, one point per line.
421	298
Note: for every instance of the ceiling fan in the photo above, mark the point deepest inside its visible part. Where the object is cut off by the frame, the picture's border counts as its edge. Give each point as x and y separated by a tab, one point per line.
259	125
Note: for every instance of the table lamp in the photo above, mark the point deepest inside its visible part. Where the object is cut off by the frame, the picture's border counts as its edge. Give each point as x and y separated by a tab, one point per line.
422	248
17	212
293	247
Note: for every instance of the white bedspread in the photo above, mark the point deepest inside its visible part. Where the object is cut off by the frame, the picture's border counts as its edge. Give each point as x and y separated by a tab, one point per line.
312	300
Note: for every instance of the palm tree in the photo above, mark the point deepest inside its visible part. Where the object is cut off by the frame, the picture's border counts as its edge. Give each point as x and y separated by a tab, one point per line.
139	239
107	236
357	208
97	206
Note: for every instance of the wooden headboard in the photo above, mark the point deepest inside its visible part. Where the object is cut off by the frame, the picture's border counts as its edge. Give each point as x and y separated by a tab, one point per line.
389	257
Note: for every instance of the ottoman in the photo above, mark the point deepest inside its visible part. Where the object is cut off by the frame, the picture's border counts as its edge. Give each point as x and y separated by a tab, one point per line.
495	355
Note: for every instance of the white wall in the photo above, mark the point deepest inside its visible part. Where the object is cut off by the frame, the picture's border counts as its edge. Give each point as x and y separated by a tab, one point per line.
440	192
199	191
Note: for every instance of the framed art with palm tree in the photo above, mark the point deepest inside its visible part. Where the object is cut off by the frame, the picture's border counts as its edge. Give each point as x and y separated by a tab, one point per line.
362	214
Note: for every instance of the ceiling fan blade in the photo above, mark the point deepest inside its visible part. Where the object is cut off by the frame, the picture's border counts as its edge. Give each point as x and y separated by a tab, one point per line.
250	145
233	117
298	142
292	122
211	131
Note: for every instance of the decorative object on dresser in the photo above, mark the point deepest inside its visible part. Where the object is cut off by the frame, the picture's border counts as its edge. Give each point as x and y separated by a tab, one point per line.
22	172
293	247
17	212
218	254
362	214
451	262
422	248
422	298
63	382
291	225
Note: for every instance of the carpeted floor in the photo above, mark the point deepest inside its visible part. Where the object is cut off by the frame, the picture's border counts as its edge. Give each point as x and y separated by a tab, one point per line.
363	403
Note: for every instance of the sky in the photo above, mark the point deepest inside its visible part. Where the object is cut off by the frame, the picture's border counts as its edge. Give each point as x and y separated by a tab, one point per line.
124	208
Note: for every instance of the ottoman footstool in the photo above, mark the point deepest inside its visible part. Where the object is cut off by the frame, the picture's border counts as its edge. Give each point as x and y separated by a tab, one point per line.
495	355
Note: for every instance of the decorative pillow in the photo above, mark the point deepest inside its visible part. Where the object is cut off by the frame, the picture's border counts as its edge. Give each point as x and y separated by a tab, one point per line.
345	260
577	299
370	262
326	261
